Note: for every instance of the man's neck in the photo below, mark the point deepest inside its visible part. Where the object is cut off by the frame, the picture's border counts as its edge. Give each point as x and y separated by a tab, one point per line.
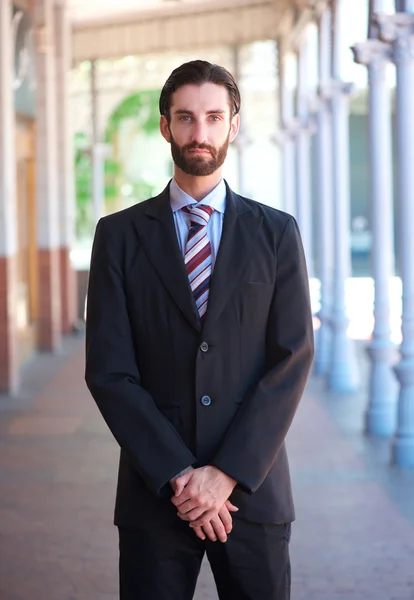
197	187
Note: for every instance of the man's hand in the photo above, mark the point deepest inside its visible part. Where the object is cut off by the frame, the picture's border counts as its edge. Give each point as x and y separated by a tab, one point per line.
173	481
218	529
201	493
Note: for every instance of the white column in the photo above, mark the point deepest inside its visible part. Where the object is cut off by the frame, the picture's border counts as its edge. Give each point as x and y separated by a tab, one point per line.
8	230
382	409
48	229
324	197
64	132
287	130
241	142
343	375
399	29
303	159
97	153
8	223
66	177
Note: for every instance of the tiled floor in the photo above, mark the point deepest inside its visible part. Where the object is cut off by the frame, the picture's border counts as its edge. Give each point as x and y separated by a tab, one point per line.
353	538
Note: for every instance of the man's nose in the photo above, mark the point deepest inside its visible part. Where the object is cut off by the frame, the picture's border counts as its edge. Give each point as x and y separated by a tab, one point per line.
199	133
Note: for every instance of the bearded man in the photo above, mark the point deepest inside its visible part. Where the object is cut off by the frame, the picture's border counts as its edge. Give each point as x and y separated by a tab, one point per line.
199	343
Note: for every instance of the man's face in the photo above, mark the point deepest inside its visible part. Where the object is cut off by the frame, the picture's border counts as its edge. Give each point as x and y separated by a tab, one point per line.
200	128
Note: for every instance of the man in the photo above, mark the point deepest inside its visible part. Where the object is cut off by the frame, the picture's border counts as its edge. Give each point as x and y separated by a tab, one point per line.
199	344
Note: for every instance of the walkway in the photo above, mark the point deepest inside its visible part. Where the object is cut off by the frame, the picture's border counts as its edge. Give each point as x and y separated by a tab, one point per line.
353	539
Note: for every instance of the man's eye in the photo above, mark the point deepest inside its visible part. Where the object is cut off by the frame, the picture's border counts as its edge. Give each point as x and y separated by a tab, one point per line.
214	118
184	118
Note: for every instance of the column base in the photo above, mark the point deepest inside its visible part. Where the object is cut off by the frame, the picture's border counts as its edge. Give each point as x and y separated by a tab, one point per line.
403	452
323	344
50	321
381	415
343	373
381	422
9	372
403	447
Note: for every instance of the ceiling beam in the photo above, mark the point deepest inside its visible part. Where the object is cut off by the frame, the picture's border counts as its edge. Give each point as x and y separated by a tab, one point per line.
177	29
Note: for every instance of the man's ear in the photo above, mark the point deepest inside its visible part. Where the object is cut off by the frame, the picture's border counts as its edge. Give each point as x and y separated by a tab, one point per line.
234	127
165	129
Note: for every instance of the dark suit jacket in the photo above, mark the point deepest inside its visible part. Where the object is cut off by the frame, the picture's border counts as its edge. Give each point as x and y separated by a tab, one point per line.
147	372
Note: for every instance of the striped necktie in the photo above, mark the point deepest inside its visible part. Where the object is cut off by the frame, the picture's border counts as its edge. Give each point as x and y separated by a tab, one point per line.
198	260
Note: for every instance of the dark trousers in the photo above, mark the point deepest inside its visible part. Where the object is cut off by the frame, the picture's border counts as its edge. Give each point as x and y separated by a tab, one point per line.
164	563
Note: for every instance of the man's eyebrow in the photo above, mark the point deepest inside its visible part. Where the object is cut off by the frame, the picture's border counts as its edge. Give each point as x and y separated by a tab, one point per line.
183	111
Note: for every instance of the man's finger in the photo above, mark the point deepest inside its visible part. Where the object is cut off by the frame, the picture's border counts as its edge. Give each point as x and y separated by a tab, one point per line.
192	515
209	531
231	506
183	496
226	519
182	482
219	529
200	533
179	486
206	517
187	506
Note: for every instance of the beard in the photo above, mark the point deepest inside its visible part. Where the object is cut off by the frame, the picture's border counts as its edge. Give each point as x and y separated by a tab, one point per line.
197	165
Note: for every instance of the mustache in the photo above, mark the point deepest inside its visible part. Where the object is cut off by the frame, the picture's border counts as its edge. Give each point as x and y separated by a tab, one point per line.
195	146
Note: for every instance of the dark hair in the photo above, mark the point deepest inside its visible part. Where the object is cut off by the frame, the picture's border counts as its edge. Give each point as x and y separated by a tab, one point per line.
198	72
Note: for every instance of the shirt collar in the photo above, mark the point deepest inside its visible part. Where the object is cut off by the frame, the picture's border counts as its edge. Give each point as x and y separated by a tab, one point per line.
216	198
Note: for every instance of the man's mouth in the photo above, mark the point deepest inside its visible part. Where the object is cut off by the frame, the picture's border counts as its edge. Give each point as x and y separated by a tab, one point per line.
199	151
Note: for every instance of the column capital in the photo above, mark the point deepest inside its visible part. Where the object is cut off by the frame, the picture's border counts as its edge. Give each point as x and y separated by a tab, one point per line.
342	88
306	125
333	87
280	138
393	26
321	101
100	150
372	52
399	30
291	129
286	133
324	92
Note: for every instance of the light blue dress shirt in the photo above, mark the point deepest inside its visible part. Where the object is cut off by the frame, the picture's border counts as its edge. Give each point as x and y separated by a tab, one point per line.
216	199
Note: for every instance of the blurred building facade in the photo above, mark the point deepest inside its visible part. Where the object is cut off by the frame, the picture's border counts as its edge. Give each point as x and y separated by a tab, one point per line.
58	54
37	285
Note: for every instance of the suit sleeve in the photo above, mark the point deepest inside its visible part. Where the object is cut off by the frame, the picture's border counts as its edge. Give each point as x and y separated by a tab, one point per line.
259	428
112	376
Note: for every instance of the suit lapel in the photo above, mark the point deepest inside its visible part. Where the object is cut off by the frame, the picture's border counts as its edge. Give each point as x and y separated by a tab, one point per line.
239	230
159	239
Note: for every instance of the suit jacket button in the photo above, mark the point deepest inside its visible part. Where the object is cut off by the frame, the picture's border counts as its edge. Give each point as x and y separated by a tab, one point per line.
204	347
206	400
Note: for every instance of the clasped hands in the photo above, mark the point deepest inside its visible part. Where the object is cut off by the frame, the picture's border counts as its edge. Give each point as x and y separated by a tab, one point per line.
201	497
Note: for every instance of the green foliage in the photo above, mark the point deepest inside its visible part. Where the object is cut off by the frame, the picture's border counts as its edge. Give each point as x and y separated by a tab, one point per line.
112	171
83	185
141	107
142	110
141	190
